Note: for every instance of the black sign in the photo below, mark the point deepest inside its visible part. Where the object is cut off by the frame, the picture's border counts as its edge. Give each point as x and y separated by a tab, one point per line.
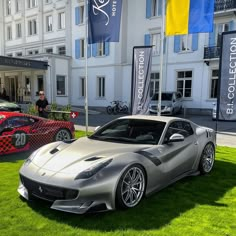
141	69
18	62
226	109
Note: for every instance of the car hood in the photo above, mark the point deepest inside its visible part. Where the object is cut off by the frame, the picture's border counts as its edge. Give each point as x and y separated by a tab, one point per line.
81	154
8	104
163	103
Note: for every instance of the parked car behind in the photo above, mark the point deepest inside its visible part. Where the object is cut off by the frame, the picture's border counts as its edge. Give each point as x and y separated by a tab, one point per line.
214	111
9	106
171	103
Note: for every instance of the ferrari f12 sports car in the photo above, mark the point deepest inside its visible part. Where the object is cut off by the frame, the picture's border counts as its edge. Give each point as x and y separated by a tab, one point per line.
123	161
21	132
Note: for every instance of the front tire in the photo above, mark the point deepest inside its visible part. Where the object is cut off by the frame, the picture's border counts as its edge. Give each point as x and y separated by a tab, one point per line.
63	135
109	110
131	187
207	159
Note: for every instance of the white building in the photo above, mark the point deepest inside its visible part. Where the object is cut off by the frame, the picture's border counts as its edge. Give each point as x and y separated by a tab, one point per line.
50	28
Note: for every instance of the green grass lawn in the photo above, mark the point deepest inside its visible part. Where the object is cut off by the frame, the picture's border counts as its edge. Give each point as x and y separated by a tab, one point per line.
195	206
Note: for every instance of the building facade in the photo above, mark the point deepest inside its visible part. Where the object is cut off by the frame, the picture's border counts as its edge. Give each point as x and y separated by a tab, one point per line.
54	31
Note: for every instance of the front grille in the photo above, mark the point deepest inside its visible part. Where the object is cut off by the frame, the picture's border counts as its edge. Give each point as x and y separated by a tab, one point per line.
48	192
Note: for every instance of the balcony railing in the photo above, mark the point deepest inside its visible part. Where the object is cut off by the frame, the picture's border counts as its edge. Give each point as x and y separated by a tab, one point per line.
224	5
211	52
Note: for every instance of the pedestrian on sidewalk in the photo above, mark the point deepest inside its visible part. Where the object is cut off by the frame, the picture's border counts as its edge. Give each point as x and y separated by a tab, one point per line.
42	105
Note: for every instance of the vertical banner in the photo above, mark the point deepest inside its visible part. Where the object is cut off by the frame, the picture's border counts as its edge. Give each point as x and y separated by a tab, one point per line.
104	20
140	89
226	105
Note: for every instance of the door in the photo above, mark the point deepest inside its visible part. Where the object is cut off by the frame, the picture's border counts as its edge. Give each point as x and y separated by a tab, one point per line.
179	157
13	87
15	135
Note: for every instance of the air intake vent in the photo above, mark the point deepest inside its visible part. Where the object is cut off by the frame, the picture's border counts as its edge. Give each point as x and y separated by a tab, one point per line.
93	158
54	151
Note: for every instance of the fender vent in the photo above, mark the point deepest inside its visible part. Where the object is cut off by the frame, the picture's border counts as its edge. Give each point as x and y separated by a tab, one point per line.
54	151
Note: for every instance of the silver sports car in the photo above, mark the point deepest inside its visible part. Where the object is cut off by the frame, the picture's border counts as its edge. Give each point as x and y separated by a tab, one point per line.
123	161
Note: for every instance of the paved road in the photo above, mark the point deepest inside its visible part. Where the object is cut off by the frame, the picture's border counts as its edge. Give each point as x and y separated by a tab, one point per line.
226	131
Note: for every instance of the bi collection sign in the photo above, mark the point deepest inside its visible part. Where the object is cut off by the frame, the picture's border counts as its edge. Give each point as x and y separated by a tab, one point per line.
226	108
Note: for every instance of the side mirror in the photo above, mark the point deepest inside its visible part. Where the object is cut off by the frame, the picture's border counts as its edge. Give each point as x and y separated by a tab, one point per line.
176	138
97	128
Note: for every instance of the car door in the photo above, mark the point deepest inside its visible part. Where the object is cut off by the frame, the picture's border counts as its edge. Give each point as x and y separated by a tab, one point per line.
15	135
179	157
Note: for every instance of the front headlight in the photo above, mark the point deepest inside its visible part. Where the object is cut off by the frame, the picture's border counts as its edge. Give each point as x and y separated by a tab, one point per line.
93	170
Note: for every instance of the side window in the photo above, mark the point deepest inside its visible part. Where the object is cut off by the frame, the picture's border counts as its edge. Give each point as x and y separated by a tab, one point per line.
16	122
179	127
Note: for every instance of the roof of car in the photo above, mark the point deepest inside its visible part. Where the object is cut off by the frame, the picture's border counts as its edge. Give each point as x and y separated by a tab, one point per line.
165	119
12	114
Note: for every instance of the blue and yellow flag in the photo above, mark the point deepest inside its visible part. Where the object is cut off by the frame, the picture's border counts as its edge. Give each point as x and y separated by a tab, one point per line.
189	16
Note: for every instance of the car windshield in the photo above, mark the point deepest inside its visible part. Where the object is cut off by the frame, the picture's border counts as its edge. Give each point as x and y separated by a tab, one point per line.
135	131
164	96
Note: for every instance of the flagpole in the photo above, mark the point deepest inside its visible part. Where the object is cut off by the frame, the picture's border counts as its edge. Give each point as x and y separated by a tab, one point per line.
86	66
161	57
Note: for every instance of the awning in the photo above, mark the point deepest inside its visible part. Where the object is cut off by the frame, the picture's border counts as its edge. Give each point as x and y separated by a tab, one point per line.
12	62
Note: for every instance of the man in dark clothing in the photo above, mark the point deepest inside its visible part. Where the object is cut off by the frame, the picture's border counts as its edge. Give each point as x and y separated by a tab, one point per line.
42	105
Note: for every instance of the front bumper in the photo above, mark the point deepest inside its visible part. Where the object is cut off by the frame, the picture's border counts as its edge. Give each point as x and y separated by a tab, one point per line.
63	199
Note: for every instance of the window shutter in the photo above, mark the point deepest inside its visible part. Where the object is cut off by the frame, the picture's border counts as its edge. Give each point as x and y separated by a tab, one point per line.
177	44
148	8
89	50
231	25
77	16
94	50
77	49
107	47
160	2
195	42
212	37
147	39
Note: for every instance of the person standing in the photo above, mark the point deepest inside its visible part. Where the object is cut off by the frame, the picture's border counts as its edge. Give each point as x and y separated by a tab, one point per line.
42	105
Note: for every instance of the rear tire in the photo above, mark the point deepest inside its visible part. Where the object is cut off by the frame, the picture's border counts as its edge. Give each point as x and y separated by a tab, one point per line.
131	187
207	159
63	135
125	109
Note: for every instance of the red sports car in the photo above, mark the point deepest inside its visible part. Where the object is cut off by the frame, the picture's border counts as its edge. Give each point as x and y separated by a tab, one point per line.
21	132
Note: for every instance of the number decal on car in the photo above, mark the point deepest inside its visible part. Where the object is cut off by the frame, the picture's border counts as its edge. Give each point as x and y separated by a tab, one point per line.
19	139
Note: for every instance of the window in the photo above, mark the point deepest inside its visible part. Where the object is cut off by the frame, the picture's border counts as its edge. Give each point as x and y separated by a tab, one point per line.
9	32
184	83
61	20
214	83
82	48
16	122
40	83
156	42
19	54
101	87
18	30
179	127
32	3
82	87
224	27
62	50
48	1
101	49
9	55
81	15
18	5
154	83
49	50
27	86
61	86
48	23
8	7
31	52
185	42
32	27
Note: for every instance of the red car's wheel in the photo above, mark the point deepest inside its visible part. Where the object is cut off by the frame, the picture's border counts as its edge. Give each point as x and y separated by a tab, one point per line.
63	135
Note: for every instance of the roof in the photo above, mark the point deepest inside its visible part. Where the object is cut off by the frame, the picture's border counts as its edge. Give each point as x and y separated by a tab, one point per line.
165	119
